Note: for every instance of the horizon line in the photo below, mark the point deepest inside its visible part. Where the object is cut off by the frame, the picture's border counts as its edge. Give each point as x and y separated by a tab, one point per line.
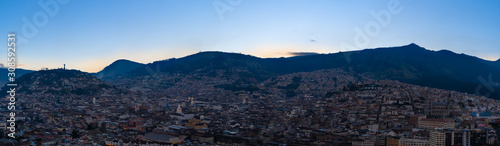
263	57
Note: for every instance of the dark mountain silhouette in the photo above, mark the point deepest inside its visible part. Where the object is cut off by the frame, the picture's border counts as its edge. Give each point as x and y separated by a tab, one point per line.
116	68
248	69
59	82
19	72
496	63
410	63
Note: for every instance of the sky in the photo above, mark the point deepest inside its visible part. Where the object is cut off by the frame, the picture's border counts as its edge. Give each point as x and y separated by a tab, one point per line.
89	34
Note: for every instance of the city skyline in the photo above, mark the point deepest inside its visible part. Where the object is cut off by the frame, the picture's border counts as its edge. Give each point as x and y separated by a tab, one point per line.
250	72
99	33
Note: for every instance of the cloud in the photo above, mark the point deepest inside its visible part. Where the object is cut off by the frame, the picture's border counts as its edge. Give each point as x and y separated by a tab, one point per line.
302	53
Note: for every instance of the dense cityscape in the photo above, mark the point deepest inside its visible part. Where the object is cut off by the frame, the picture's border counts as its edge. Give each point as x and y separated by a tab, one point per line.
327	107
249	73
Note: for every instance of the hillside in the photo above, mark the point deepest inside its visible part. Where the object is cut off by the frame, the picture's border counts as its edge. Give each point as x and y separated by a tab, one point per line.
59	82
116	68
496	63
4	78
248	69
411	64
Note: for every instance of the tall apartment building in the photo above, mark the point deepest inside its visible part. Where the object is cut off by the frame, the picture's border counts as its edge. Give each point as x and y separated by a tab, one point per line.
441	138
470	137
463	137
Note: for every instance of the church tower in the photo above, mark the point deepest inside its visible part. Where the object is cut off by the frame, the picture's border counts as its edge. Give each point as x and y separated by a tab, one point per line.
179	109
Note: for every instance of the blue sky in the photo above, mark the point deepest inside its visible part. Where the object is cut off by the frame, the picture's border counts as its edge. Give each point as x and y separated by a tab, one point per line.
90	34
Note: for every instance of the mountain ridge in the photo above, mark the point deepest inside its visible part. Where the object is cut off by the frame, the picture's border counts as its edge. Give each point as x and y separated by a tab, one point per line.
409	63
59	82
116	68
19	72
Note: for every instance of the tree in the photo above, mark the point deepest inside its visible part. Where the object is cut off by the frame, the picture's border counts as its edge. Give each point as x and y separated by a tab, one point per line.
89	126
103	127
75	134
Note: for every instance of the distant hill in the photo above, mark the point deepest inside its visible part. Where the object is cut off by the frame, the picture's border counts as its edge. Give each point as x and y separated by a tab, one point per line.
59	82
233	71
416	65
248	69
4	78
497	63
116	68
410	63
